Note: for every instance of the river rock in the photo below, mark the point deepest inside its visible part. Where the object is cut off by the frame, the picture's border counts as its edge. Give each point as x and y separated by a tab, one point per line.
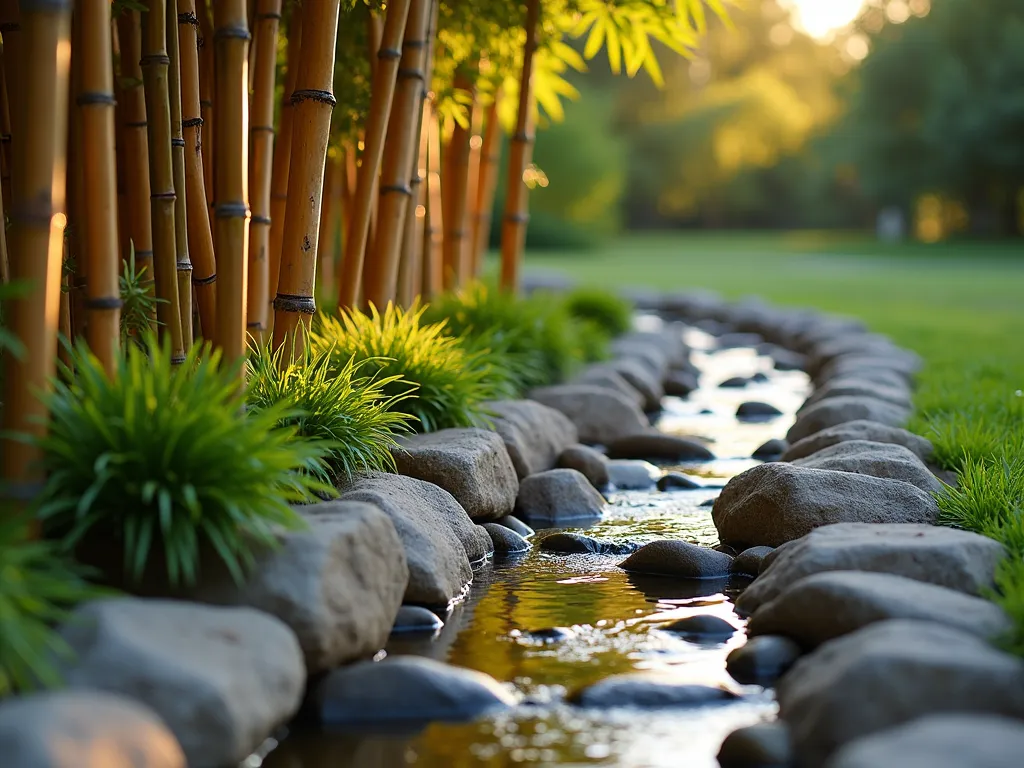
737	339
656	446
677	481
585	460
337	584
762	660
680	383
757	410
749	561
471	464
603	376
647	691
775	503
577	543
762	745
863	457
439	538
558	498
708	502
668	342
939	741
600	415
827	605
534	434
864	363
505	540
839	410
865	369
770	450
785	360
859	430
404	689
632	475
517	525
854	387
414	618
888	674
947	557
701	627
222	679
642	378
735	382
84	729
671	557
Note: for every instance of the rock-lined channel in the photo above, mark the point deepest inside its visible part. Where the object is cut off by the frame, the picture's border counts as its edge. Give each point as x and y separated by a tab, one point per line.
547	623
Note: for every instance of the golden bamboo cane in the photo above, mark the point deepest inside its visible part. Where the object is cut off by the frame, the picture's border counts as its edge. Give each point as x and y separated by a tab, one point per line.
314	101
184	264
487	183
77	244
433	247
456	185
206	86
330	216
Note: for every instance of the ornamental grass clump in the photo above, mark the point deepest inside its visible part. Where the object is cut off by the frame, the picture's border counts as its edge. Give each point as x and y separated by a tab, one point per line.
350	413
446	383
164	461
610	313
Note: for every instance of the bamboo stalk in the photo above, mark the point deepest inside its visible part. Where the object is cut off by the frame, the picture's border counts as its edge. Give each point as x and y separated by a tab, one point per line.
155	63
206	86
5	133
313	101
260	174
399	159
184	263
476	141
136	149
513	227
39	111
10	29
198	231
456	183
487	183
231	233
348	185
350	276
99	202
330	216
77	243
123	238
64	321
282	166
433	247
410	268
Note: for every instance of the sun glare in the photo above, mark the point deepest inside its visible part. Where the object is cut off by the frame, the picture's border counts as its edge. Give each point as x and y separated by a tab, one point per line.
819	18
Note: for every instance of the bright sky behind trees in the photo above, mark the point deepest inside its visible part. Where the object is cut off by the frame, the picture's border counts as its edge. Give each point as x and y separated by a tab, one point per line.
820	17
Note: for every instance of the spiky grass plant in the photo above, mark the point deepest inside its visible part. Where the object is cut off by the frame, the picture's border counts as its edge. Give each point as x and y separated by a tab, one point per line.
446	383
164	457
350	413
138	310
606	310
39	587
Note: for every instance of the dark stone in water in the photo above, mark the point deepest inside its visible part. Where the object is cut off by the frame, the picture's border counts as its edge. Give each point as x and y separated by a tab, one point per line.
670	557
757	410
413	618
737	339
763	660
676	481
749	560
680	383
708	503
655	446
702	627
517	525
771	450
573	543
760	378
705	412
763	745
506	541
647	691
585	460
551	634
736	382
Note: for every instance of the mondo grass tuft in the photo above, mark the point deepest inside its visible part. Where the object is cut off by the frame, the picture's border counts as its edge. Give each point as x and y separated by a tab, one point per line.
446	384
350	414
608	311
164	461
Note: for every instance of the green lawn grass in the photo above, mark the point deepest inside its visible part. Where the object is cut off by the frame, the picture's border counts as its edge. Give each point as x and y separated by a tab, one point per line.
960	305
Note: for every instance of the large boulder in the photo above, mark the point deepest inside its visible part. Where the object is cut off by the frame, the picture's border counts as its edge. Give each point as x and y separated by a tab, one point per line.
947	557
600	415
652	445
406	689
222	679
859	430
534	434
666	342
600	375
640	376
84	729
584	459
839	410
823	606
888	674
559	498
867	363
855	387
471	464
775	503
864	457
672	557
440	540
939	741
337	584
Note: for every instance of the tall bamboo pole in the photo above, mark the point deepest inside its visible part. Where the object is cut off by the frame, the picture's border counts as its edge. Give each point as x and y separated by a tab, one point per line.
330	217
199	232
487	183
5	164
39	111
476	142
123	240
155	63
410	268
399	158
433	246
77	244
206	86
455	184
282	165
350	275
314	101
261	131
513	228
184	264
231	234
136	146
99	203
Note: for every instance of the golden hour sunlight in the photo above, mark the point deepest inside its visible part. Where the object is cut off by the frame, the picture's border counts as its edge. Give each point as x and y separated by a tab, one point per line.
821	17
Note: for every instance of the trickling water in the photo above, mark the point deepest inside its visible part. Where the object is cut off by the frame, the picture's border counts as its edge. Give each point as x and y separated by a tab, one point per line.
613	616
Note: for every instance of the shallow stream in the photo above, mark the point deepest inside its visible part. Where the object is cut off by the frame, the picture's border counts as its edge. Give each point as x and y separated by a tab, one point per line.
613	617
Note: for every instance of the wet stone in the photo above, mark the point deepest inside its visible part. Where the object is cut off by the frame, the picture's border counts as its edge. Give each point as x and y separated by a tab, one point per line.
749	560
551	634
755	409
736	382
771	450
413	618
676	481
680	383
590	463
762	660
701	627
647	691
559	497
576	543
707	503
654	446
630	475
670	557
506	541
763	745
517	525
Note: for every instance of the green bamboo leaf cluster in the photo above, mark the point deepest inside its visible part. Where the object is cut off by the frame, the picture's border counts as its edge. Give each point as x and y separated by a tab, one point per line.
138	302
164	459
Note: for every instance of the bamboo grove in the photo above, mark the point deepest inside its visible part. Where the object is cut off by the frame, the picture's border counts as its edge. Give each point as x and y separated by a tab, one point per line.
252	161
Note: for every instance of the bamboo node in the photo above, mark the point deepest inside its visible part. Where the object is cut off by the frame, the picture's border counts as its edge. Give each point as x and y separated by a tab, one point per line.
403	189
104	302
389	53
176	142
96	98
517	218
261	129
259	220
188	18
231	210
324	97
239	32
257	325
137	124
204	280
192	122
163	196
269	16
155	59
206	102
411	74
286	302
177	358
522	138
184	266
